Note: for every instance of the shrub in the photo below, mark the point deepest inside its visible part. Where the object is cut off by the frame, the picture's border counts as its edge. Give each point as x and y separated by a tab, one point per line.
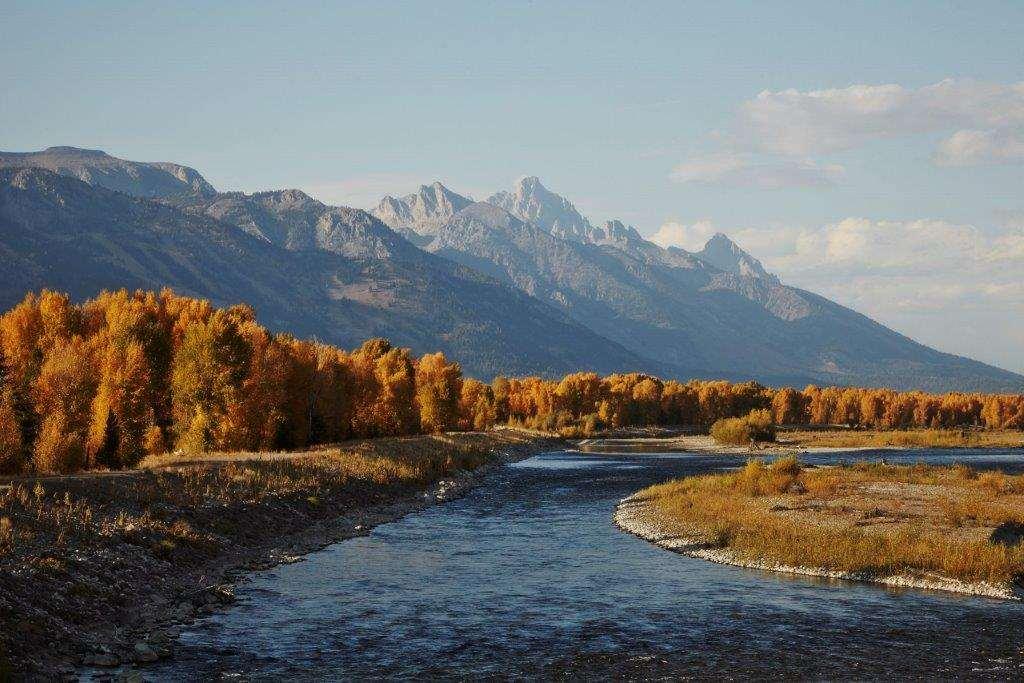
761	425
759	479
731	430
756	426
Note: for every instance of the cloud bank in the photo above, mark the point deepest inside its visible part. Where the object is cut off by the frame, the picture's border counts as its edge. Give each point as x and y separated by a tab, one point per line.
806	123
778	138
746	170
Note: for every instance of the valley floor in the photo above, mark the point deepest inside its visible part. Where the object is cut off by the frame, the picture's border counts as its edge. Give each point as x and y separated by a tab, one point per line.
101	569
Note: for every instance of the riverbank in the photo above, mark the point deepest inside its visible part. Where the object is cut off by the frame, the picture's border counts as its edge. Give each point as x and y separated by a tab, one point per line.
809	441
940	528
102	569
682	443
900	438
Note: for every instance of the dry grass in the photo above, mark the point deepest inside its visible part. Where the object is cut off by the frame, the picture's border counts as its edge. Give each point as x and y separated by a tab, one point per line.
90	506
870	518
920	438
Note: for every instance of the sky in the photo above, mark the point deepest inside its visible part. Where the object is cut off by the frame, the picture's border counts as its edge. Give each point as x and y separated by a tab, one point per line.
870	152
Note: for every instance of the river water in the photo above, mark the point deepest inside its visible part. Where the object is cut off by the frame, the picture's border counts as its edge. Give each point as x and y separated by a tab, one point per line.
526	577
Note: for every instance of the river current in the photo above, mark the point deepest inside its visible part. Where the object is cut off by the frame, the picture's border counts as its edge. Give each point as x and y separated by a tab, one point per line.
526	577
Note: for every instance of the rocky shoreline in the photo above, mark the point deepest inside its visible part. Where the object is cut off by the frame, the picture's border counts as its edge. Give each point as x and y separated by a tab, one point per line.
634	515
138	608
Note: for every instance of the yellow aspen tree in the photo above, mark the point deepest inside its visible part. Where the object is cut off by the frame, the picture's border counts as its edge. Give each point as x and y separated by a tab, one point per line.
438	389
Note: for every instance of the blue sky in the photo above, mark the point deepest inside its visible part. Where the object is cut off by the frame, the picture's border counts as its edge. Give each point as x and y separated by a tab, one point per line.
649	114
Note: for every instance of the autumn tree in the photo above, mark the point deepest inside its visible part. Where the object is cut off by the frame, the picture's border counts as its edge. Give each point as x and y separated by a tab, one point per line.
207	372
63	394
579	393
715	400
477	409
788	406
500	387
679	403
10	430
129	373
438	390
121	411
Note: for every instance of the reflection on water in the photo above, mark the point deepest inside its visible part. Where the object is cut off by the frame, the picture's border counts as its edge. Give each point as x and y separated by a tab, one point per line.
527	577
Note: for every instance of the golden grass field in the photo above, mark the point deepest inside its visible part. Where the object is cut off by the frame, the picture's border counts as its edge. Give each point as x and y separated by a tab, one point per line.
921	438
868	518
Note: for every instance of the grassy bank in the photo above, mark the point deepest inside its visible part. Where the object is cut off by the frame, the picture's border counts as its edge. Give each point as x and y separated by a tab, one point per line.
94	567
910	438
948	527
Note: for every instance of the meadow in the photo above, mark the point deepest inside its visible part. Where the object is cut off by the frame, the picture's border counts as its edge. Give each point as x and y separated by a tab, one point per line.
868	519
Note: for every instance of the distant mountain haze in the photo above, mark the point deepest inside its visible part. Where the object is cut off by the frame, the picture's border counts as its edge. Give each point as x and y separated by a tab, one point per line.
716	312
343	277
521	283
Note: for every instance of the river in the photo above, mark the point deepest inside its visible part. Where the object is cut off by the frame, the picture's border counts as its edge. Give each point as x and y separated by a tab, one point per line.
526	577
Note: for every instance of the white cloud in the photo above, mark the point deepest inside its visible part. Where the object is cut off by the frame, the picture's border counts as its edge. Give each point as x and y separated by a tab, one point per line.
690	237
779	136
931	279
805	123
977	147
858	244
744	170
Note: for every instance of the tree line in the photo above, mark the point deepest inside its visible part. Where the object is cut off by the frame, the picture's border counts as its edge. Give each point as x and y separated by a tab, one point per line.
585	402
129	374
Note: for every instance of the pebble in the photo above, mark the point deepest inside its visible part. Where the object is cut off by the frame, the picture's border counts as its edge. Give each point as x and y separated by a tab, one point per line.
144	653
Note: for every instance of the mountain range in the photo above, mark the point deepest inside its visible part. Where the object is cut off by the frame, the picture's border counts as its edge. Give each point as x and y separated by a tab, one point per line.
520	283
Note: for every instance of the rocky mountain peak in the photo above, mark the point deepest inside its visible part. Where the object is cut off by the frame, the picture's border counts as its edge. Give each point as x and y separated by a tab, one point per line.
421	214
615	232
532	202
70	151
724	254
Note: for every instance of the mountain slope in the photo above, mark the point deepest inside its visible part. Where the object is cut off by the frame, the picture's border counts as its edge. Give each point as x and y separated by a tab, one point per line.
137	178
335	283
713	313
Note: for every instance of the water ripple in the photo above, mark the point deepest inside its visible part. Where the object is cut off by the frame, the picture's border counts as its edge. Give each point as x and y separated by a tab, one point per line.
526	577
